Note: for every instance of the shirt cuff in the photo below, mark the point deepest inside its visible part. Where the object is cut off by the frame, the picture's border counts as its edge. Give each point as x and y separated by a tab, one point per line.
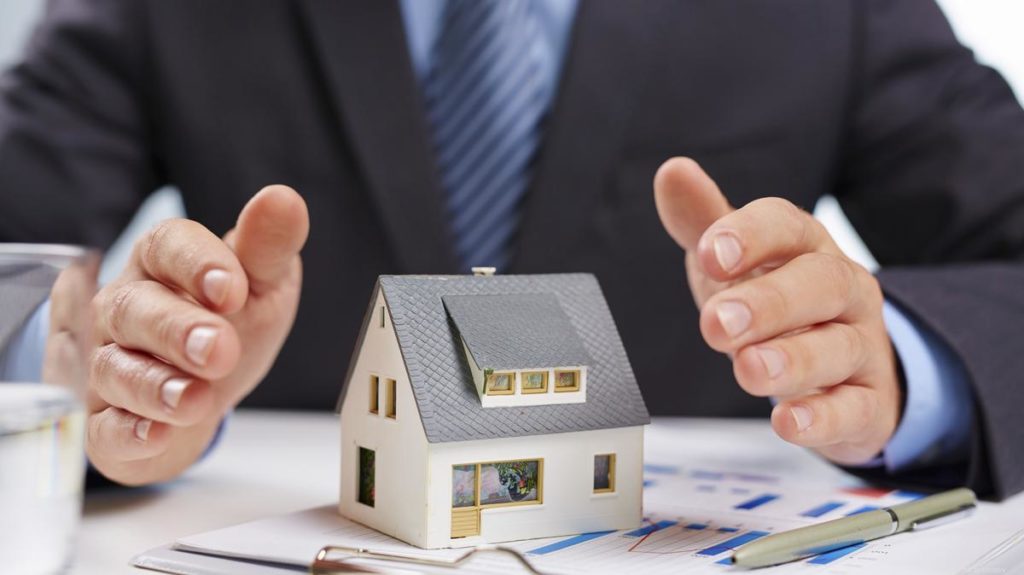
23	358
938	408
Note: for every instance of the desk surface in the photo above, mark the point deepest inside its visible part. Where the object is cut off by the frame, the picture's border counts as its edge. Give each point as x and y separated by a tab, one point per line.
270	463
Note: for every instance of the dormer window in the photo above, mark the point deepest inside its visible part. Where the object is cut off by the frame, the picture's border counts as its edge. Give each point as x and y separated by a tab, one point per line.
501	383
521	349
567	380
535	382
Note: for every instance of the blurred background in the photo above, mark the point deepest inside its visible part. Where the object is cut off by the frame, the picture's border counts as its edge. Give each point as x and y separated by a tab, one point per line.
990	27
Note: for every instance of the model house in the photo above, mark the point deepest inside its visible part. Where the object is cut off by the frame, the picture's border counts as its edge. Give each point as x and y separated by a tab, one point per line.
490	408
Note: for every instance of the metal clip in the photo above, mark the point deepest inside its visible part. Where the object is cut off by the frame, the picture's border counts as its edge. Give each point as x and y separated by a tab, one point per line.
325	564
944	518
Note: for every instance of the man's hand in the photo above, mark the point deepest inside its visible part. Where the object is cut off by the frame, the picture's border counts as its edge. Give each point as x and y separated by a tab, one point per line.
189	328
801	321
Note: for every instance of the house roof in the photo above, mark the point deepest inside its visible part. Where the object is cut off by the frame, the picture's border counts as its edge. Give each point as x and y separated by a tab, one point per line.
516	331
448	402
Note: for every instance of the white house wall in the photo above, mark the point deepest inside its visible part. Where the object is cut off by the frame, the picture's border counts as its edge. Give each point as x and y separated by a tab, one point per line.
400	444
569	504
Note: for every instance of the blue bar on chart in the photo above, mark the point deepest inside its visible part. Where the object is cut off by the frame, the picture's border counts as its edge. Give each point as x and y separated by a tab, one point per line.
826	558
559	545
732	543
823	509
697	526
864	509
647	530
757	501
662	469
702	474
903	494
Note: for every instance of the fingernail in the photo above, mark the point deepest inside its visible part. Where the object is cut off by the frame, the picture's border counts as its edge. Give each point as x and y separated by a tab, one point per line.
172	390
727	250
142	428
803	416
773	361
200	343
734	317
215	286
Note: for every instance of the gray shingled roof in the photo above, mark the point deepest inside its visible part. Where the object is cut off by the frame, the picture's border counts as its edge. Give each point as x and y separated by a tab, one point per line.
516	331
443	386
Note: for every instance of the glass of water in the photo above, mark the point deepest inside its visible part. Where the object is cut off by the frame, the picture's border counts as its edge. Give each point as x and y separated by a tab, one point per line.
45	341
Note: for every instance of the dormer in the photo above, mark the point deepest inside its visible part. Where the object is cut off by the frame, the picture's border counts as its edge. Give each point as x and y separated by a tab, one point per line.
521	349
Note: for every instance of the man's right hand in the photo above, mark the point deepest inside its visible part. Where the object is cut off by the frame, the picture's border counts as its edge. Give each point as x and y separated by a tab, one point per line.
190	327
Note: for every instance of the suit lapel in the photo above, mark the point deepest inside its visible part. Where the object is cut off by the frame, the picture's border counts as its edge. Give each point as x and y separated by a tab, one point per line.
362	49
607	64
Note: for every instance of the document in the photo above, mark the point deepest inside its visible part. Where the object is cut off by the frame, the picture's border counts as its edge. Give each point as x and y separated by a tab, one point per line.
696	511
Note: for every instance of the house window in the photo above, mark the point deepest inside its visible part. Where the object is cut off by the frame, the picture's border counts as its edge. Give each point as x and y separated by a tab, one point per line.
498	483
463	486
604	473
535	381
367	477
374	394
390	405
567	380
500	383
383	316
511	482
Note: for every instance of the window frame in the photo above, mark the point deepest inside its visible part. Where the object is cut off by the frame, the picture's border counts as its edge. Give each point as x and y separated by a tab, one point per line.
359	477
390	399
611	473
578	376
488	378
522	382
374	394
479	465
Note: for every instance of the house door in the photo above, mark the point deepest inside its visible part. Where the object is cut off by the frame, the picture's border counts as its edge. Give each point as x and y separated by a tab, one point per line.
465	501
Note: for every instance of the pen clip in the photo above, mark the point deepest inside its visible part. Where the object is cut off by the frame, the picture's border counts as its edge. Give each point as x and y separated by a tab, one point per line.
944	518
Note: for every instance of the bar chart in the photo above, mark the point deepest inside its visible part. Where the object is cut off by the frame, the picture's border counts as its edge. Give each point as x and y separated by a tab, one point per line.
696	518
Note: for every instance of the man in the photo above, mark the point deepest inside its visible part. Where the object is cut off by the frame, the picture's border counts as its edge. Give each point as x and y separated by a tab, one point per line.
425	137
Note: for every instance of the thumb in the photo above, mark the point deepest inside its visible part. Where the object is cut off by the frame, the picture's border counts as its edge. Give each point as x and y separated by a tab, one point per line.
688	201
271	229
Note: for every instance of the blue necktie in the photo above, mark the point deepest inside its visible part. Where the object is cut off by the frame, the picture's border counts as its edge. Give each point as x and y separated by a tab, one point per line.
485	104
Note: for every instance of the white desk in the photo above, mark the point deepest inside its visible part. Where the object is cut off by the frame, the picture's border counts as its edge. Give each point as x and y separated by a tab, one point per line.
275	462
267	463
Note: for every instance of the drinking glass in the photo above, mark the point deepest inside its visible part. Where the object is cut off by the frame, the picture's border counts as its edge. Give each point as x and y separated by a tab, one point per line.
45	341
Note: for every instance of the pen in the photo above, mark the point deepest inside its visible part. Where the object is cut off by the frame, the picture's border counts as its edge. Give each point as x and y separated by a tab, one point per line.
855	529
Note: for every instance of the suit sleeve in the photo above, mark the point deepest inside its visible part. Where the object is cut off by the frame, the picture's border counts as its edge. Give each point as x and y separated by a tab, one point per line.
75	158
933	180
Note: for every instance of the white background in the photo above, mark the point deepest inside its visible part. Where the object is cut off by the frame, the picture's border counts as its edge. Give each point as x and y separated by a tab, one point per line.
991	27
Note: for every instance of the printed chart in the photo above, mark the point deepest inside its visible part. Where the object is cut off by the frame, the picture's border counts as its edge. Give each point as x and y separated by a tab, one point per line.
722	511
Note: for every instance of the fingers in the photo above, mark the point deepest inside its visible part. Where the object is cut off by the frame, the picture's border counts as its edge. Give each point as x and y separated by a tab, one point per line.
811	289
688	201
271	230
146	315
848	423
186	255
765	232
819	357
115	436
148	387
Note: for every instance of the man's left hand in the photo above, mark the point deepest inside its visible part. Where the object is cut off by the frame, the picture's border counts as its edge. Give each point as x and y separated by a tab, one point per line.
801	321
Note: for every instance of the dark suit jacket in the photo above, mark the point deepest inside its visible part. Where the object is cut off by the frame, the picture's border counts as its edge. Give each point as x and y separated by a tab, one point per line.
871	100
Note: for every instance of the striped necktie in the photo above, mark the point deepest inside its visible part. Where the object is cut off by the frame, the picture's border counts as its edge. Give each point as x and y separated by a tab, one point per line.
485	102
